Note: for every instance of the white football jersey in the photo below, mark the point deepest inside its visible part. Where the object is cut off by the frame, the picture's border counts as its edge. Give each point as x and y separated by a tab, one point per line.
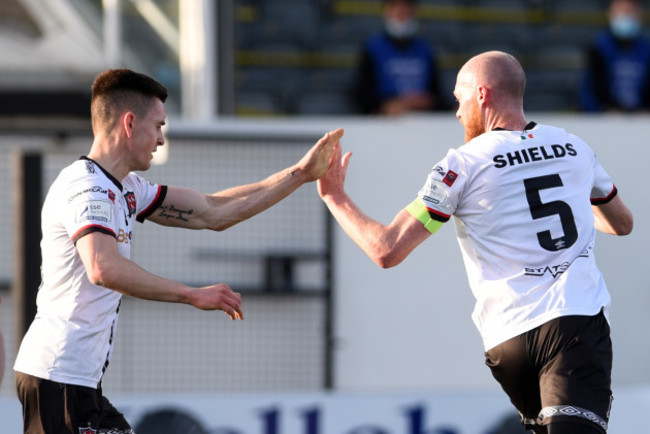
71	338
521	202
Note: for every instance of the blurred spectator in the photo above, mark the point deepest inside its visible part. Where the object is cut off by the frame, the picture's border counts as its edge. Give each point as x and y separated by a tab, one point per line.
398	71
617	77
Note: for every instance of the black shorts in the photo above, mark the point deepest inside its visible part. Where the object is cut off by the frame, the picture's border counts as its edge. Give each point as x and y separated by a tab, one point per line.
55	408
558	372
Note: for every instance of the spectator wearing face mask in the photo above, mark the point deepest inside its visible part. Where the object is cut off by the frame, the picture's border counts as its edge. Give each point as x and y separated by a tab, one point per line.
397	72
617	74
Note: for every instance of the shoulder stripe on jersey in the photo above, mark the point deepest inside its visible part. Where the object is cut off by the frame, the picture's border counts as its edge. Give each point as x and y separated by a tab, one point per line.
604	200
438	216
89	229
159	199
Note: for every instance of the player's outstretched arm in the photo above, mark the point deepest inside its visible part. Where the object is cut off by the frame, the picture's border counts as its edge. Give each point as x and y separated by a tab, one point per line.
218	211
386	245
106	267
613	217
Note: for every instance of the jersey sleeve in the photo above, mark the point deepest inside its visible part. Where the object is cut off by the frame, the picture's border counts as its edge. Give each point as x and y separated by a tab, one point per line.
437	200
603	189
149	196
88	207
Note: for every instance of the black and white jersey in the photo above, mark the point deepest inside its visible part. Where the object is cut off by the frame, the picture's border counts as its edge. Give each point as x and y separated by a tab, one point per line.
521	202
71	338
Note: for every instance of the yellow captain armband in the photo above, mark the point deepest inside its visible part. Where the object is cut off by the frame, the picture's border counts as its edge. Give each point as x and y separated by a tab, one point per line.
418	210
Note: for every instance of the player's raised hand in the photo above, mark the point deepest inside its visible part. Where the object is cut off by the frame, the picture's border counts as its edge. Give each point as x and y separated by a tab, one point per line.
334	179
316	161
219	297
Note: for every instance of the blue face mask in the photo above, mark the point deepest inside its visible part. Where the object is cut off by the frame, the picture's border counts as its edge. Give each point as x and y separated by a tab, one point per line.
625	27
401	29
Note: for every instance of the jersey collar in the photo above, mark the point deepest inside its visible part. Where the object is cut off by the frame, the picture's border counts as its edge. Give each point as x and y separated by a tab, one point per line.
528	126
108	175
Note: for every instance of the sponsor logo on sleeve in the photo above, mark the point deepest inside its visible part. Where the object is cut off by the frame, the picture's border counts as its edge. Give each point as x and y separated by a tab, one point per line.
95	210
434	192
93	189
439	170
450	178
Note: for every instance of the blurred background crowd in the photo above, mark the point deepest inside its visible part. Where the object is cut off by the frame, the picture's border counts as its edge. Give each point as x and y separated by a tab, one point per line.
337	57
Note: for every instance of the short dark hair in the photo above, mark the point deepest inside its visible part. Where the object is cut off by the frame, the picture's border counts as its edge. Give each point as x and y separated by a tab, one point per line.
117	90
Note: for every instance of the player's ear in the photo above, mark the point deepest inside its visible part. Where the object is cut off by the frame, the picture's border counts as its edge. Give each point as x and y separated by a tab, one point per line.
127	123
482	94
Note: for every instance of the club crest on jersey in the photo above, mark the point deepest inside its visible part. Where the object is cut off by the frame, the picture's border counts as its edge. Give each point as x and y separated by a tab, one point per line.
87	430
111	195
130	202
450	178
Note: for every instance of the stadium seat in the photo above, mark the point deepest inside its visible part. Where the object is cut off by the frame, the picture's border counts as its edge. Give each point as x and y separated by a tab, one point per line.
295	21
312	46
578	5
330	79
258	103
548	101
515	39
503	4
324	103
351	29
445	35
564	36
552	89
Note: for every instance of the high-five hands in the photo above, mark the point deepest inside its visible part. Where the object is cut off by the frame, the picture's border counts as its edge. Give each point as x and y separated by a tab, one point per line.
333	180
316	162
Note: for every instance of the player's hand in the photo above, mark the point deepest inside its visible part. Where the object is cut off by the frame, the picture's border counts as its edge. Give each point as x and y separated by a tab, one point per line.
219	297
334	179
316	161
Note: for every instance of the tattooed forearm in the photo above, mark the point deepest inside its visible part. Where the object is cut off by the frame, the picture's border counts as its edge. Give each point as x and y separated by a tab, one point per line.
170	212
